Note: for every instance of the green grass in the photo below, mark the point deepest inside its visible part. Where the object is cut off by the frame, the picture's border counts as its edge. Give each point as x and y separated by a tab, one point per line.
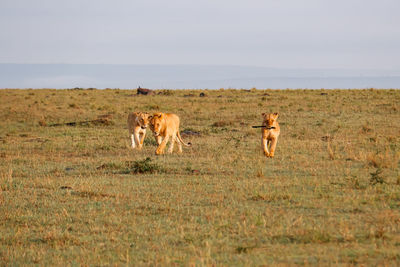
78	195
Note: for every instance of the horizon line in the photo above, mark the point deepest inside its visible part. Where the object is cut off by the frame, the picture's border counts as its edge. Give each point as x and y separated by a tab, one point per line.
207	65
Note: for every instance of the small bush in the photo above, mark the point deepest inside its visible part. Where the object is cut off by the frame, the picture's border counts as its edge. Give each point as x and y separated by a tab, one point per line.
135	167
376	177
143	166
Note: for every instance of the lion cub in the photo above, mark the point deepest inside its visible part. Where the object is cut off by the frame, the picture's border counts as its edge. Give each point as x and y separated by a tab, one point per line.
270	133
137	124
164	127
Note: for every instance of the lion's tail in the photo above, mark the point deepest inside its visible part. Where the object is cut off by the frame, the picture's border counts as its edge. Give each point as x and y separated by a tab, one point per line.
183	143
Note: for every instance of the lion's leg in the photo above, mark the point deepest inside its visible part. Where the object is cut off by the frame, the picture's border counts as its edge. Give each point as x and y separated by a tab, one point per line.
264	144
142	139
131	135
273	146
132	140
158	140
179	146
161	147
131	131
136	135
171	145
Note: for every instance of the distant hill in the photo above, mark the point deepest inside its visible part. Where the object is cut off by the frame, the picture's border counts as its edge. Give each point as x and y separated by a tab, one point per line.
188	77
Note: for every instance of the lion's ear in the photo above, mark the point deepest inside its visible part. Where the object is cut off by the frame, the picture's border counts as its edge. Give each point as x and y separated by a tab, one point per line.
276	115
263	114
150	117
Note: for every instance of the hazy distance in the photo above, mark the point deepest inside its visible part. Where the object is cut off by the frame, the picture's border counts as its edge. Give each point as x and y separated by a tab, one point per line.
200	44
102	76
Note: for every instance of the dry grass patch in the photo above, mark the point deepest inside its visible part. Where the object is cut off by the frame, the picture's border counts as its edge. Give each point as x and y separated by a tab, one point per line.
78	195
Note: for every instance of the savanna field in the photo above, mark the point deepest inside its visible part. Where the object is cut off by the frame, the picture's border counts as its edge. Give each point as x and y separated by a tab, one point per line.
73	192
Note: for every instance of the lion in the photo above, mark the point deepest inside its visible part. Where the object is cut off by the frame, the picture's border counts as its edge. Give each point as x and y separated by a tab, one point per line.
164	127
137	124
270	133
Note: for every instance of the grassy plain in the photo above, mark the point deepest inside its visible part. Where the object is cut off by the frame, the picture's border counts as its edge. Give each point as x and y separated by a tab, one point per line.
78	195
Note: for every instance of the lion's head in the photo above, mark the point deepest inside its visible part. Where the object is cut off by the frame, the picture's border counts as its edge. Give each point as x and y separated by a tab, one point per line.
156	123
143	119
270	119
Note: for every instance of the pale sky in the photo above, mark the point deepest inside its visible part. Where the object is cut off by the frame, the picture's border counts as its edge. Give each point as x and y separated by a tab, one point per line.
362	34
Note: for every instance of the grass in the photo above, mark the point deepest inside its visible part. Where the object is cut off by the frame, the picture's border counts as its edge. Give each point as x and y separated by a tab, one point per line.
78	195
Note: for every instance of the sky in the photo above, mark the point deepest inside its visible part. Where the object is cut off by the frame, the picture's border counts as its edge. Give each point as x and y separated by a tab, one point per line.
309	34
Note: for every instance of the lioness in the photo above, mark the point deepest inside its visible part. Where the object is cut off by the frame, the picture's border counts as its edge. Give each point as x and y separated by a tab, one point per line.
137	124
164	127
270	133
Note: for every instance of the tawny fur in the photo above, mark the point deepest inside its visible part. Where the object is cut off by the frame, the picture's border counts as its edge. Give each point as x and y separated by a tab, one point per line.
164	127
137	125
270	133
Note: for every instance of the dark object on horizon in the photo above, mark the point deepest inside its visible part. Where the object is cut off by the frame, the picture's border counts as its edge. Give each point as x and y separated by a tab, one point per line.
144	91
202	94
